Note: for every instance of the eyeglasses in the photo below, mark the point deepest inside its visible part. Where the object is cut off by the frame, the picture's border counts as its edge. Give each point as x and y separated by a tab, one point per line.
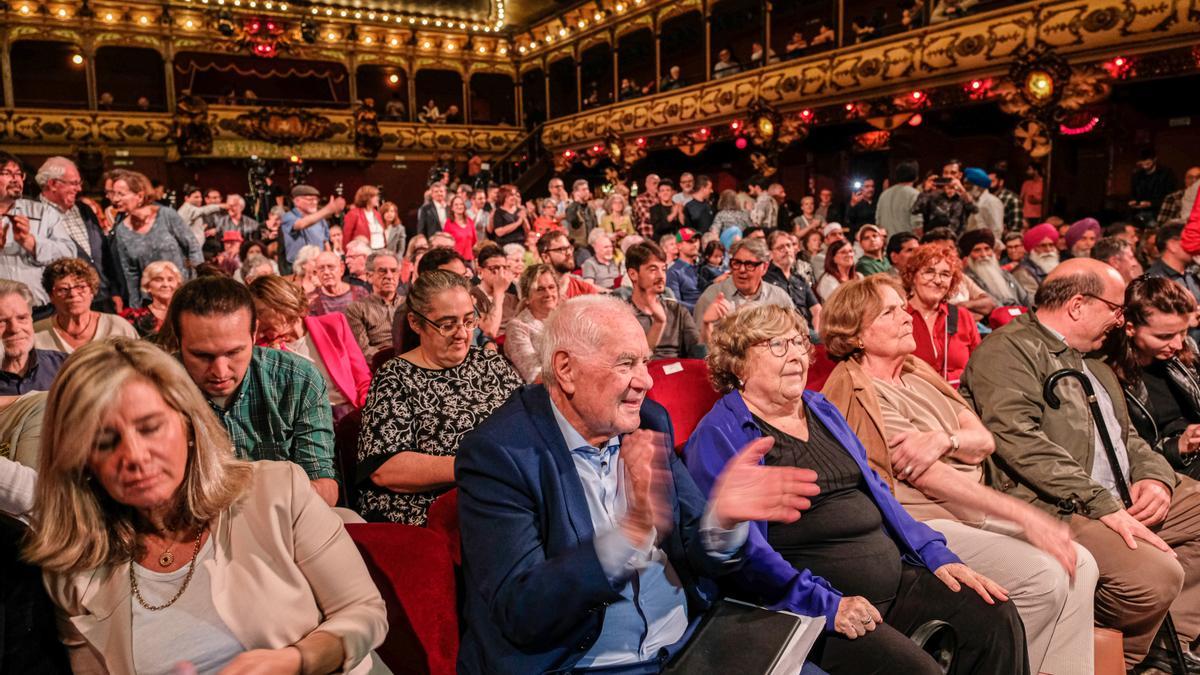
19	175
779	346
70	183
450	326
561	249
1116	308
736	264
929	274
68	291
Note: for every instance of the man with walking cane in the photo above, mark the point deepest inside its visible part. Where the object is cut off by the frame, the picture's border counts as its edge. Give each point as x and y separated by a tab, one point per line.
1147	549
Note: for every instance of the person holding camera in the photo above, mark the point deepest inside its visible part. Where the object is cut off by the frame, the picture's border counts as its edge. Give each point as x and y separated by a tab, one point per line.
948	204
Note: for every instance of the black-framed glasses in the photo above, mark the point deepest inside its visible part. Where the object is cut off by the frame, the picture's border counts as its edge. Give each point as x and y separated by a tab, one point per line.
779	346
561	249
68	291
1115	307
450	326
735	264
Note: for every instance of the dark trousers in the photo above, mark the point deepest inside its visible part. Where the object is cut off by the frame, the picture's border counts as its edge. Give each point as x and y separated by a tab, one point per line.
990	638
28	637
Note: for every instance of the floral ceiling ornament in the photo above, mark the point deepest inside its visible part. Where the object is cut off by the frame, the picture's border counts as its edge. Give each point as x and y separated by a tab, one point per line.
283	126
1043	89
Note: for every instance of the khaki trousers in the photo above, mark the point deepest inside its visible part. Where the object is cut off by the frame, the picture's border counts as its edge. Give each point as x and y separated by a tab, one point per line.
1137	586
1057	612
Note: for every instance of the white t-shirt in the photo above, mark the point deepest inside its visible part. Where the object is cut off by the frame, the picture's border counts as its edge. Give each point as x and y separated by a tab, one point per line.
189	630
305	347
378	241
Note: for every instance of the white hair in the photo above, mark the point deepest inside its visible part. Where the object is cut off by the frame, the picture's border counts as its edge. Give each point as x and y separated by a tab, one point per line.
10	287
580	326
52	169
358	245
514	249
442	236
306	253
596	235
231	197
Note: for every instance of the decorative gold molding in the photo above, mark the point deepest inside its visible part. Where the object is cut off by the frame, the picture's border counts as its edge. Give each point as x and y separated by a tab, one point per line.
643	22
937	54
152	134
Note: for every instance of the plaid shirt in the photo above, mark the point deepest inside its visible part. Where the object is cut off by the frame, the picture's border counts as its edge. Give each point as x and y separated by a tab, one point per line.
281	412
1013	219
72	221
1172	208
641	213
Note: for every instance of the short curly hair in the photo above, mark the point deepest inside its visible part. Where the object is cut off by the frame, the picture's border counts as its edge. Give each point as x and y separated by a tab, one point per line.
69	267
733	336
928	255
848	311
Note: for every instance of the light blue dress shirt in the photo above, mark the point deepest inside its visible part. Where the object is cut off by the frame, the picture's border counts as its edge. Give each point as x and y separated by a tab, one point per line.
293	240
652	614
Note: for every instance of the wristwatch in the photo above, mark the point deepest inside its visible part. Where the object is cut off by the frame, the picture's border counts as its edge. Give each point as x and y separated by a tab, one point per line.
953	443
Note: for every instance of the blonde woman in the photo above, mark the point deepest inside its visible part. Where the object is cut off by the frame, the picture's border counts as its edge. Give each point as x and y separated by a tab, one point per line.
617	220
163	551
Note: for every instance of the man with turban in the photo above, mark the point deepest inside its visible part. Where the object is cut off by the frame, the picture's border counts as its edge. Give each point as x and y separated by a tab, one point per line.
1041	257
1081	237
977	249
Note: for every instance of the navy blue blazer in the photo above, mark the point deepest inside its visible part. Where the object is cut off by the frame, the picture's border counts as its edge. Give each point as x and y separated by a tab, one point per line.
535	594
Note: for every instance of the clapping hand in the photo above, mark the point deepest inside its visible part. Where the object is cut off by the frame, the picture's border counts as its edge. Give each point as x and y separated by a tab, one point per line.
21	232
718	309
746	490
644	457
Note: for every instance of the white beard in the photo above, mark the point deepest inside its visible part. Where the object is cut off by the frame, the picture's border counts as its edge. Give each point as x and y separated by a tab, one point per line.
989	272
1044	261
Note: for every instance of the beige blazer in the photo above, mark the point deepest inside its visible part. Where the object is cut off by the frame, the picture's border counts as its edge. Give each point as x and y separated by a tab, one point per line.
283	567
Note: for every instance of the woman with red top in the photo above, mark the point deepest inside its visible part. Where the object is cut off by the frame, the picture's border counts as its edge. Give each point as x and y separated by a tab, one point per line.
944	341
363	220
460	226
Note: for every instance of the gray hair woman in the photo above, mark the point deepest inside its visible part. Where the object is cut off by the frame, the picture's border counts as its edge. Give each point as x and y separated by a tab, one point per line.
538	286
426	399
229	564
904	574
729	212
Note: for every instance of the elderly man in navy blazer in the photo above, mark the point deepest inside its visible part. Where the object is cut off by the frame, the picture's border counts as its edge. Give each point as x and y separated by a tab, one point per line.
586	545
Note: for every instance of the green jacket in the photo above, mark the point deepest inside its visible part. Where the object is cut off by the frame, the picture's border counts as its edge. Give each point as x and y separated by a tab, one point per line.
1043	455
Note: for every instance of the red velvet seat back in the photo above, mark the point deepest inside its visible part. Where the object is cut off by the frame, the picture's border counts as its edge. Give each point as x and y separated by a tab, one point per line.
682	387
819	368
443	517
415	575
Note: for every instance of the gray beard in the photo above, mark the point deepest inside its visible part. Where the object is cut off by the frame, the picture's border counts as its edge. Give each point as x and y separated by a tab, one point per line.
992	279
1046	262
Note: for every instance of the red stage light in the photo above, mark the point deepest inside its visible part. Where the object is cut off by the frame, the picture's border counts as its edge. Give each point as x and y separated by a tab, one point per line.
254	26
976	85
806	114
735	125
1119	61
915	120
568	154
917	95
849	107
703	131
740	143
640	141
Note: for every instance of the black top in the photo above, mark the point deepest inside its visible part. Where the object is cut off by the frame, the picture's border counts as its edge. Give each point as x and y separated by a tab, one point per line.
502	218
659	214
1165	402
797	289
841	537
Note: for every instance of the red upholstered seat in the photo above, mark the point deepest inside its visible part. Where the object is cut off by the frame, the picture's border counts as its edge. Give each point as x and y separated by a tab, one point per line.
443	517
1003	315
415	575
819	369
682	387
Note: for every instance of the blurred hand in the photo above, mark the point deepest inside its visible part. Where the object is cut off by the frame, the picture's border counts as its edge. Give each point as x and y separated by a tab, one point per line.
856	617
21	232
1189	440
1131	528
264	662
644	456
746	490
955	575
1151	501
718	309
658	313
336	204
1052	536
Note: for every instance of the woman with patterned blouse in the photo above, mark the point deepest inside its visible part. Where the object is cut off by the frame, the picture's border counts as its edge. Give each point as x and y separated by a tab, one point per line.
424	401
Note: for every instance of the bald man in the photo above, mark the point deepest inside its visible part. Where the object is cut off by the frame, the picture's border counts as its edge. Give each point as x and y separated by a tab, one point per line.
1149	553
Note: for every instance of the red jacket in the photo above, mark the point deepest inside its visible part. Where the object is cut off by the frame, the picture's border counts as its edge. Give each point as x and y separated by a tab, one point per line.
342	356
952	351
1191	232
355	224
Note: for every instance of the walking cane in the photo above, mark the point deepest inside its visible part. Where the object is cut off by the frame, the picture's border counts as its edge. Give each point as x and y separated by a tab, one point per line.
1110	451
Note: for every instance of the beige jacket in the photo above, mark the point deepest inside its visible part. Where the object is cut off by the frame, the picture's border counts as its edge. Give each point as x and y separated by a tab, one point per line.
284	567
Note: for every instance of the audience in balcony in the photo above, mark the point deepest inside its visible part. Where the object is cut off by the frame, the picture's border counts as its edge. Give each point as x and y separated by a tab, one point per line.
423	402
276	583
756	56
863	29
395	110
825	36
796	46
673	80
949	10
726	65
430	113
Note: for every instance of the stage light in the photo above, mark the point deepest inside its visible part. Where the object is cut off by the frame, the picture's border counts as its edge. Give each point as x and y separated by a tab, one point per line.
189	24
393	79
850	107
915	120
295	159
806	115
77	59
144	20
426	44
735	125
704	131
741	143
482	49
1119	62
62	13
641	141
331	36
368	40
521	49
568	154
917	96
502	51
108	16
1039	85
25	9
976	85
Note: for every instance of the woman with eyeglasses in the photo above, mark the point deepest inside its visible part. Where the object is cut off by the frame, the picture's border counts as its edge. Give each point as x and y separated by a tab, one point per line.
538	288
424	401
150	232
856	557
839	268
945	334
1156	363
72	284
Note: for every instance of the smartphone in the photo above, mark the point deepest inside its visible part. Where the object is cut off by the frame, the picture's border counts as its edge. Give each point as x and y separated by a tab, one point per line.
941	181
857	185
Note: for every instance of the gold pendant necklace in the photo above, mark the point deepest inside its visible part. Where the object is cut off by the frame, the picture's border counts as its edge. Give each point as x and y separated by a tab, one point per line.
167	558
137	594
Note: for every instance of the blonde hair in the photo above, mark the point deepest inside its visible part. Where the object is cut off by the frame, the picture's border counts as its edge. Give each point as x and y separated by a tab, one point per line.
77	525
734	334
279	295
853	305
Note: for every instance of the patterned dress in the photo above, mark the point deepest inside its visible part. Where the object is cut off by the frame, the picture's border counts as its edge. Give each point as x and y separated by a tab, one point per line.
414	409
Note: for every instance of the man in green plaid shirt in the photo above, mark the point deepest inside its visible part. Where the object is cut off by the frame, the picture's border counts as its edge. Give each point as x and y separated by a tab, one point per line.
1013	221
274	404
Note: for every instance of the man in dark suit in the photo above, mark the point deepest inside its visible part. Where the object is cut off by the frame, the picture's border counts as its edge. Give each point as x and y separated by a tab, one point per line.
432	214
586	544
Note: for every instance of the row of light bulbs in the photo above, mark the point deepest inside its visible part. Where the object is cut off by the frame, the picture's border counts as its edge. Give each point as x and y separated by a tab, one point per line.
565	30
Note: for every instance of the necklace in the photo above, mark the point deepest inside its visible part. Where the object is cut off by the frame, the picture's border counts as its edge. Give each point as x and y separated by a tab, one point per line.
86	326
133	585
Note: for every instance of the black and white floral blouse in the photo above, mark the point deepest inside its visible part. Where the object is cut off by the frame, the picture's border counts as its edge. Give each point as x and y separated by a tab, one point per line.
415	409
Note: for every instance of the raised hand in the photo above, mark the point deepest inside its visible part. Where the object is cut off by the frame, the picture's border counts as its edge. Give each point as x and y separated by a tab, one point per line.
644	457
746	490
21	232
718	309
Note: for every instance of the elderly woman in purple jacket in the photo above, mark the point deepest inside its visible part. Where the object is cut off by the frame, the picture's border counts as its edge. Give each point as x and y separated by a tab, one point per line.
856	557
